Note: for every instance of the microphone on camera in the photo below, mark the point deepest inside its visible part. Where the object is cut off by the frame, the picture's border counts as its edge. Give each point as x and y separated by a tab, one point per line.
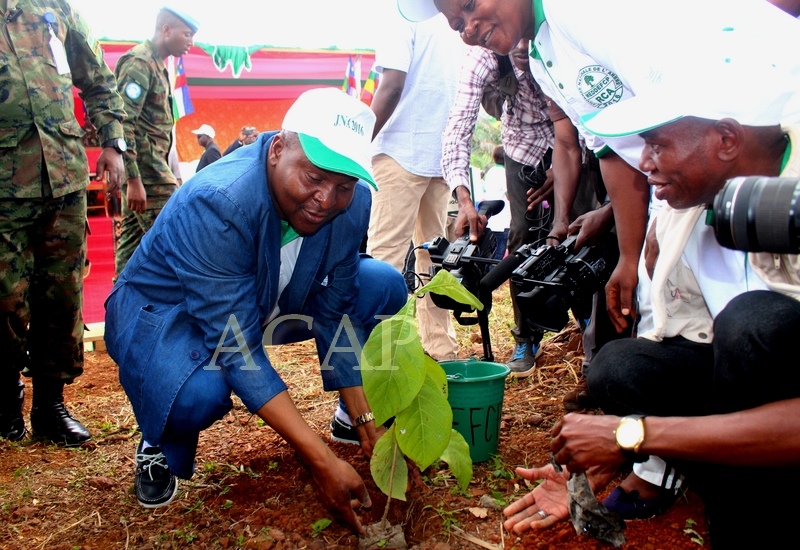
501	272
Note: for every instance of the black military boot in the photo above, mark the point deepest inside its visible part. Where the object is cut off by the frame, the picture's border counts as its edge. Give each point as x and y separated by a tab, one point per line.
12	424
49	417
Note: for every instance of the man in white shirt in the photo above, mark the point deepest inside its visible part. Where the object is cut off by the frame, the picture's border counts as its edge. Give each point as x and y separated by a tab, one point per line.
420	64
709	384
527	137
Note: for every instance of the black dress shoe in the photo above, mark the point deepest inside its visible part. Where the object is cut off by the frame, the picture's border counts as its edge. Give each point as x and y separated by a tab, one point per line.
53	422
12	424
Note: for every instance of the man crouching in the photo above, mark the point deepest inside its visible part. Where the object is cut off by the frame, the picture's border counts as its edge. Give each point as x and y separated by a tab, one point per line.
259	248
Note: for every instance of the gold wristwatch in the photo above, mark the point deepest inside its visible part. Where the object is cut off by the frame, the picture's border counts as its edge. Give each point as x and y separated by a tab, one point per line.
629	436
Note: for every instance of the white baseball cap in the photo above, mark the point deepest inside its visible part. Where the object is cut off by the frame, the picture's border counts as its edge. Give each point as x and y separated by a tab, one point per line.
335	131
205	130
417	10
728	83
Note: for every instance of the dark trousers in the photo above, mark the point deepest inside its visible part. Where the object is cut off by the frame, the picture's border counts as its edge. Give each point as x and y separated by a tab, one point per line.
526	227
752	362
598	330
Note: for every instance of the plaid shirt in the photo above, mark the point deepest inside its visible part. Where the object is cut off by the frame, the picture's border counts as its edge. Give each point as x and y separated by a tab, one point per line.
527	130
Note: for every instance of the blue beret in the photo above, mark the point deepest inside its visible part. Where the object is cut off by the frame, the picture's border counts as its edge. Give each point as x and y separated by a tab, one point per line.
190	21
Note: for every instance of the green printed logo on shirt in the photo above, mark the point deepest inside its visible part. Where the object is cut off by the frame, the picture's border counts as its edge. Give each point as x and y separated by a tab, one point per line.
599	86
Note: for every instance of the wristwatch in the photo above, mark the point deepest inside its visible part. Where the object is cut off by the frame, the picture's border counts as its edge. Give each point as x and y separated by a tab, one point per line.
364	418
629	436
118	144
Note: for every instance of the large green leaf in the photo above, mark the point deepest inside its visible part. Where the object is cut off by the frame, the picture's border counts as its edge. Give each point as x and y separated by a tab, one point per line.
437	374
423	428
410	309
392	366
457	457
381	466
444	283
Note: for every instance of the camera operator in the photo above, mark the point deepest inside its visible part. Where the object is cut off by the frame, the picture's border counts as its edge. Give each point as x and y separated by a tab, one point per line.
714	322
527	136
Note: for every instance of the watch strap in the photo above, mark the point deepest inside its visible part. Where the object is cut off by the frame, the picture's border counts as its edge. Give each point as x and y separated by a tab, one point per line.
364	418
113	144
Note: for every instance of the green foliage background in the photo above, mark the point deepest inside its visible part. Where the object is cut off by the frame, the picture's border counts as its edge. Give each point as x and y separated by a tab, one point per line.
485	138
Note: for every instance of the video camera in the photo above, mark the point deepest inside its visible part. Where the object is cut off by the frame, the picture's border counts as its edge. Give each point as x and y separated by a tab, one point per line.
466	261
551	279
554	279
758	214
469	263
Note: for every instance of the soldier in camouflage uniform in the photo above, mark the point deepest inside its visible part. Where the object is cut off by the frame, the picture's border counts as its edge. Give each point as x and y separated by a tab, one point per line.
45	48
145	87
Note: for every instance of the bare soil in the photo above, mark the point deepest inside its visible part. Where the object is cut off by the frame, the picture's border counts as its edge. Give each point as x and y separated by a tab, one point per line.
250	489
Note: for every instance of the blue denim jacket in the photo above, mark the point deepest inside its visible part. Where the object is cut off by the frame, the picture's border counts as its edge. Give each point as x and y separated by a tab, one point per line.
212	259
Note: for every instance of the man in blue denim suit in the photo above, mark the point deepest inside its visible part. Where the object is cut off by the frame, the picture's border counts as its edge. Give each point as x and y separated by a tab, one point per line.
259	248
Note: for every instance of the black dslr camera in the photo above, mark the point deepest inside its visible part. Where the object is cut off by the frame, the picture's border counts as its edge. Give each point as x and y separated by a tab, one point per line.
758	214
467	261
554	279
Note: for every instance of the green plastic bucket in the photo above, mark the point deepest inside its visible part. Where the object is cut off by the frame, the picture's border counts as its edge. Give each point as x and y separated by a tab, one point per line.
475	392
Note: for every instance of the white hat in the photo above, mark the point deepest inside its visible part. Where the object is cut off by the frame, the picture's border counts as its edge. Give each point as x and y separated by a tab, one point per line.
727	83
335	131
417	10
205	130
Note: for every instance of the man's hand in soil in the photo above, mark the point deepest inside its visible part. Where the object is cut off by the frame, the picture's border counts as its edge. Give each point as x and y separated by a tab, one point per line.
581	441
340	490
339	487
548	498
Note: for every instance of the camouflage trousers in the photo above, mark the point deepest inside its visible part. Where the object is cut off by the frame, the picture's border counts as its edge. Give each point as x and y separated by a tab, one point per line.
130	229
42	250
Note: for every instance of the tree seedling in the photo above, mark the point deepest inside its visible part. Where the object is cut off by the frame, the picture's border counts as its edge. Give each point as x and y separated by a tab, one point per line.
402	382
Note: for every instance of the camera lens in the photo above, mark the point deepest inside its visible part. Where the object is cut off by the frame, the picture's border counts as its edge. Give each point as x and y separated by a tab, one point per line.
759	214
